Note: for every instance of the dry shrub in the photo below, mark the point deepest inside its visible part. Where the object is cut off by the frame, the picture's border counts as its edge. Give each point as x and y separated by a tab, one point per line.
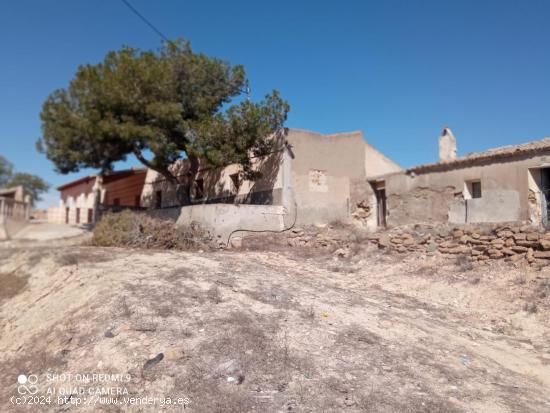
135	229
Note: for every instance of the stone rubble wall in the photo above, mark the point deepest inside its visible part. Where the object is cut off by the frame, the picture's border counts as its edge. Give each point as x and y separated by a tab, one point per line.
509	242
478	243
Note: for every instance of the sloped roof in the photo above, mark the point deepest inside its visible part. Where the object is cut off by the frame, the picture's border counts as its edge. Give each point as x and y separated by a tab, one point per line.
107	177
488	156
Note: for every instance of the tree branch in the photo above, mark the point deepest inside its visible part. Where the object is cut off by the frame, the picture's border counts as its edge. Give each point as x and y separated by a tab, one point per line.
164	172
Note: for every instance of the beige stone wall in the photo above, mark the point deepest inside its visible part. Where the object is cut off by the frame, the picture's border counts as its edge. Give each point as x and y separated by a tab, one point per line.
324	170
218	185
317	178
508	190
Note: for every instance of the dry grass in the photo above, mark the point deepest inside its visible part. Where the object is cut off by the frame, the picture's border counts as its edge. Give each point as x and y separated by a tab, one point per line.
12	284
138	230
81	256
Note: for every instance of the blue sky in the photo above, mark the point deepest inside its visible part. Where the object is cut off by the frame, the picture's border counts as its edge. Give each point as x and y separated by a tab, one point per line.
397	70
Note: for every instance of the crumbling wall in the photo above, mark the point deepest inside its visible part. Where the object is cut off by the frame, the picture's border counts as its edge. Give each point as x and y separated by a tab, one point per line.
362	204
327	171
509	193
420	205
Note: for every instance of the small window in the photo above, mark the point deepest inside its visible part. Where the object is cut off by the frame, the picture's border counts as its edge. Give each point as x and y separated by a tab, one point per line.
116	201
158	199
236	180
137	201
199	188
472	189
476	189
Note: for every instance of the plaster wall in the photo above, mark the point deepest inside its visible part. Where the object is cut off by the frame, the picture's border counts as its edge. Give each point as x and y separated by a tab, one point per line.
223	220
325	169
440	196
82	202
317	179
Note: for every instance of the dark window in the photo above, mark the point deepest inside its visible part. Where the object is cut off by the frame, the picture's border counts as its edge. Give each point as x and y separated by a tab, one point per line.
116	201
78	215
236	180
158	199
90	215
137	200
199	188
476	189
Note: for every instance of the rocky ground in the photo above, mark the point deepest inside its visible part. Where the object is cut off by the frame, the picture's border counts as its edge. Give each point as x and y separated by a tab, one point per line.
330	323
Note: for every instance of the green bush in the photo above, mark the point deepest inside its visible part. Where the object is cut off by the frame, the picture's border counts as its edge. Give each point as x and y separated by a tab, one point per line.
137	229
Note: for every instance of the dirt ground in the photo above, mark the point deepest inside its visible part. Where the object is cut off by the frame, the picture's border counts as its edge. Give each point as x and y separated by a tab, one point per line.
279	331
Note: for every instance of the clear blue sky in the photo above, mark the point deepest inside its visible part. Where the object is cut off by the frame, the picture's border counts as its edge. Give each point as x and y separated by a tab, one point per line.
397	70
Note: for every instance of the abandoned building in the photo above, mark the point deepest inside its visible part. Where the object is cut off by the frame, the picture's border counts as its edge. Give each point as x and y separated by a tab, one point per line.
505	184
309	178
15	207
81	199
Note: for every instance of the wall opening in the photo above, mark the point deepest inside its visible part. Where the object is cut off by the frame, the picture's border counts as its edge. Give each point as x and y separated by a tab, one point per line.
158	199
472	189
539	195
379	188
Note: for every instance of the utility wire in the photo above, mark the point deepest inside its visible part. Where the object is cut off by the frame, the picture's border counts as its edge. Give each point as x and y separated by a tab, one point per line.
157	31
142	17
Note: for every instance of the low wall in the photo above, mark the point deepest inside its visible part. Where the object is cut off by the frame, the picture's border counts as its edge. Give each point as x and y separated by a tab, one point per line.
171	214
225	220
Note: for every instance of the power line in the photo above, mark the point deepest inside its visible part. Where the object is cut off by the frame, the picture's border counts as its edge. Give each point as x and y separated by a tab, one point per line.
142	17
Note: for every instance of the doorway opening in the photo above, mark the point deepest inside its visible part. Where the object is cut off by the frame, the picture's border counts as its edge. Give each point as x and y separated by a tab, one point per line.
539	195
379	188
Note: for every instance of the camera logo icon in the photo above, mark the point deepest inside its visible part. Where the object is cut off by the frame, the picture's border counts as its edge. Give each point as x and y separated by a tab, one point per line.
27	384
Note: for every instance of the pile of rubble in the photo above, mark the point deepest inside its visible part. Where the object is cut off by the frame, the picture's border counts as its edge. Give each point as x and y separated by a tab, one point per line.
509	242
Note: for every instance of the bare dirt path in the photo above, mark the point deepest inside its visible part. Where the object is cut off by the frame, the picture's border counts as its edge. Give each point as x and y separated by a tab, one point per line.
273	332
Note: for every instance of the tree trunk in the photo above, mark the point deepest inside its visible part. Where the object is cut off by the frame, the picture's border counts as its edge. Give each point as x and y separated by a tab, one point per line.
191	175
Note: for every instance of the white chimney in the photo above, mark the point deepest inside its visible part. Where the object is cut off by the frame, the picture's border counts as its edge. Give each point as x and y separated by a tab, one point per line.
447	145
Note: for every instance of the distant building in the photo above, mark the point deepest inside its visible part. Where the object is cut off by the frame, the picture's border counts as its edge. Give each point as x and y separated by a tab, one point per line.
15	206
81	199
17	193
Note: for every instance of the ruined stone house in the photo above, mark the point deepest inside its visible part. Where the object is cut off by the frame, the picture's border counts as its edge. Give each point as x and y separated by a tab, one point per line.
505	184
309	178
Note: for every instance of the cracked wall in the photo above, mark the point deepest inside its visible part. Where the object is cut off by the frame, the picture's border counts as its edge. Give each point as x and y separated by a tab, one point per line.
509	193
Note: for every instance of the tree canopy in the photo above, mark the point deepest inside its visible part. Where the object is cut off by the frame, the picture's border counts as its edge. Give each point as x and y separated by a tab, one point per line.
160	106
6	171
